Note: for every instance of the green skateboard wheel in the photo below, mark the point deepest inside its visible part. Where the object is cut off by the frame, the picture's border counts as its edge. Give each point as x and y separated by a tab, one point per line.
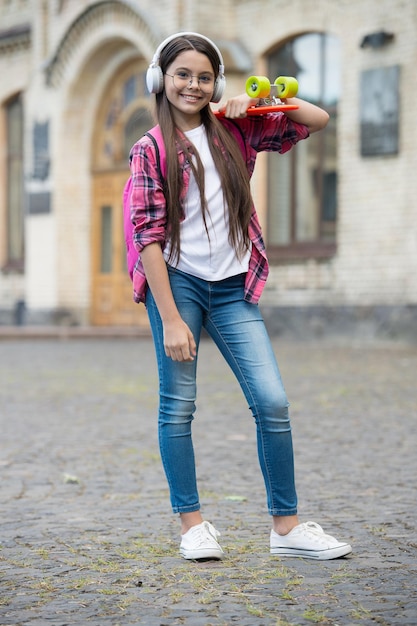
287	86
258	87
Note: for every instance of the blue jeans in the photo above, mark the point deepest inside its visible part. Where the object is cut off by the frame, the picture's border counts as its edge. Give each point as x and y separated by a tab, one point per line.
239	332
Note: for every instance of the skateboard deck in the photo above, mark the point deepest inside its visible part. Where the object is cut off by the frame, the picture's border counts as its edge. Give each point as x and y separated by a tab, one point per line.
263	109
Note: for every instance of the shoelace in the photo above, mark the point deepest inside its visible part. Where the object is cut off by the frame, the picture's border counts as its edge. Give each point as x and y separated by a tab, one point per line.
316	531
202	531
314	528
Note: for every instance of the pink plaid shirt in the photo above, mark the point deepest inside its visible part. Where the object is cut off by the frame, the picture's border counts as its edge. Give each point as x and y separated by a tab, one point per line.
274	132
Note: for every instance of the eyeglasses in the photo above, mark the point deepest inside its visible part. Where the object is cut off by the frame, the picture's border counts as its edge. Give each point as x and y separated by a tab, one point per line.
182	79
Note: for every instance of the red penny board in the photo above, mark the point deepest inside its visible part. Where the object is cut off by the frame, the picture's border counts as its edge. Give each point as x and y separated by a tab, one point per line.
261	110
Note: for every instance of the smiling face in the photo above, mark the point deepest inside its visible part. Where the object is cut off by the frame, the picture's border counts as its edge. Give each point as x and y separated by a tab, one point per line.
188	98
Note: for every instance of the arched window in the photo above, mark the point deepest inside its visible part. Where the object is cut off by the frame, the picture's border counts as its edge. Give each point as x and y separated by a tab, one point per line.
302	184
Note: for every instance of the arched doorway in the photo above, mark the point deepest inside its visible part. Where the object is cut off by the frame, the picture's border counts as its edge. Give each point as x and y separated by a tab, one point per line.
124	115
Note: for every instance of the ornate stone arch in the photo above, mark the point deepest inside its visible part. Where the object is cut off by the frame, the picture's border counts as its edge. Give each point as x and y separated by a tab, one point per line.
114	16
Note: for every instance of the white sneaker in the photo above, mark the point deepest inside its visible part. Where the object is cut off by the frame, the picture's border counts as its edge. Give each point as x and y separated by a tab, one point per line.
309	541
200	542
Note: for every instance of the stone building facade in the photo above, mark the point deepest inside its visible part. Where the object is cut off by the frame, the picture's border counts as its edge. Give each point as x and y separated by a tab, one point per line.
339	215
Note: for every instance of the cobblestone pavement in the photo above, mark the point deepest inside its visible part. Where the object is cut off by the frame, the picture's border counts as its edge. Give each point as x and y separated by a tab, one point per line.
87	535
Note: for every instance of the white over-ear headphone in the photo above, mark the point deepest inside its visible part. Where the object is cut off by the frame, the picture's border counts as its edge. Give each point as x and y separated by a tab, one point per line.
155	78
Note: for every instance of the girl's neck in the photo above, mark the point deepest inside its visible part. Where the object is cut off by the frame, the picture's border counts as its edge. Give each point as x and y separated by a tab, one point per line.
188	122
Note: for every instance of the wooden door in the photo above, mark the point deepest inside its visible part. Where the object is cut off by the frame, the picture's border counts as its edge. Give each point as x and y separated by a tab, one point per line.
112	293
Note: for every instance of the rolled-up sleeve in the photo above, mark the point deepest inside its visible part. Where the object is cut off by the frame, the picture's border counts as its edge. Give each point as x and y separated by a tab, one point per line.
280	134
272	132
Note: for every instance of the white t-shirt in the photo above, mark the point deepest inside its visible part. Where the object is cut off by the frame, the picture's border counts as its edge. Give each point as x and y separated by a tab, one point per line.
208	257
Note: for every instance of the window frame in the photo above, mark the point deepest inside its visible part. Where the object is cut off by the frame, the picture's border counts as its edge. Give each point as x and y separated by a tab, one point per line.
318	247
14	179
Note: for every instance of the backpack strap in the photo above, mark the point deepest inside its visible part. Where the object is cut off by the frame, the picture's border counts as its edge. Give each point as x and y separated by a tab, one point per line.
155	136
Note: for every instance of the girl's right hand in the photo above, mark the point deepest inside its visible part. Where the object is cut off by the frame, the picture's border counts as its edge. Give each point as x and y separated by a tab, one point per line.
179	341
238	105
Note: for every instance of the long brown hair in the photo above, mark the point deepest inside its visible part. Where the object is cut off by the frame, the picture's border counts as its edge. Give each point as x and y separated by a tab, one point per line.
224	149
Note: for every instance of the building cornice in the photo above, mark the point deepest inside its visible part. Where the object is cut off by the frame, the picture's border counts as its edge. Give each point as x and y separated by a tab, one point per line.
17	37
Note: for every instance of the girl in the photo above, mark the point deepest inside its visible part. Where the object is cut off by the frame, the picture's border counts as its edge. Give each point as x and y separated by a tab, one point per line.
202	264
